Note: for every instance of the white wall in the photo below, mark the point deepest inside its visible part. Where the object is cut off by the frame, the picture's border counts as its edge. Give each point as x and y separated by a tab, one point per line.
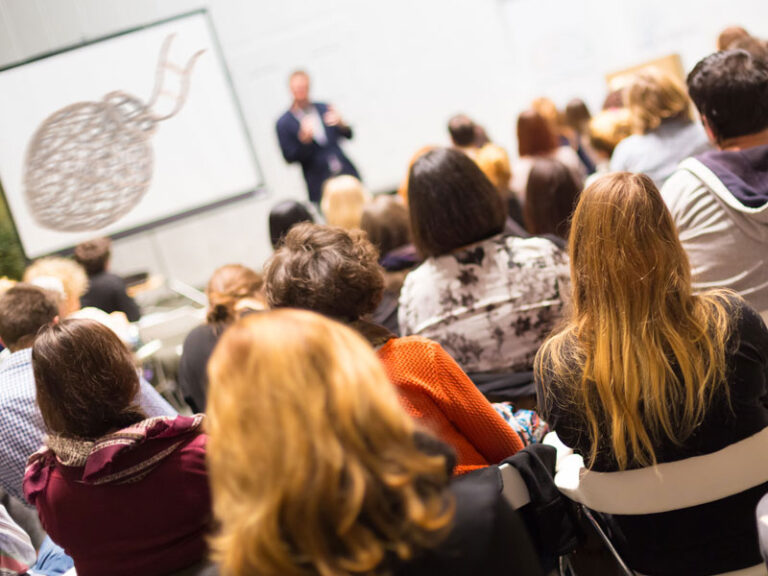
397	70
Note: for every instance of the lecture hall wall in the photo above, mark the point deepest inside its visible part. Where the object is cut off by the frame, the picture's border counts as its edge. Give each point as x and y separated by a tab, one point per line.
396	70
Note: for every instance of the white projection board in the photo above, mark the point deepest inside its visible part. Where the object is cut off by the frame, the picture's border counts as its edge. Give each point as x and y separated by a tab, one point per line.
113	166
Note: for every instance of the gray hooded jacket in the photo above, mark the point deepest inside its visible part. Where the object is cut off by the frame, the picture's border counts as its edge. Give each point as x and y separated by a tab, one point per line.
719	202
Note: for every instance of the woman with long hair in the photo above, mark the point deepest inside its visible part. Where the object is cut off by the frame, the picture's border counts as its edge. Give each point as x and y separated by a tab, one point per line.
646	372
123	494
664	133
317	470
233	289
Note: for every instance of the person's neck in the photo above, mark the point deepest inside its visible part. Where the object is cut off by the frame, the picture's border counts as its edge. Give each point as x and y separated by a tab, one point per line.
743	142
304	106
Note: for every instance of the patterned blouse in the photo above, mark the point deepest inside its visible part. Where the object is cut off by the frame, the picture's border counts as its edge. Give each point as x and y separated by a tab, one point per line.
490	305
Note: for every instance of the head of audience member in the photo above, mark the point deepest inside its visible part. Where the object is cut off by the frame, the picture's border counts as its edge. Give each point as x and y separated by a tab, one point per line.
730	35
481	136
548	111
62	276
385	222
730	90
535	135
607	129
343	200
494	162
85	379
298	83
614	99
654	96
233	288
627	263
462	131
327	270
577	115
283	216
550	198
403	190
452	203
24	309
758	48
356	493
93	255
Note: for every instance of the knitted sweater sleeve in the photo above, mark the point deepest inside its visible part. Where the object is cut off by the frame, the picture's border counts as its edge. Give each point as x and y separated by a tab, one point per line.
469	411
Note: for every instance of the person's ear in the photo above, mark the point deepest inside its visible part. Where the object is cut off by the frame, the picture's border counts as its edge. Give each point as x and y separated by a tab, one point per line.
55	320
708	130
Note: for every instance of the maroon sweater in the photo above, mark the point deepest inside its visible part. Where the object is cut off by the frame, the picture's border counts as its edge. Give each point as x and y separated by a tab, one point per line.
141	507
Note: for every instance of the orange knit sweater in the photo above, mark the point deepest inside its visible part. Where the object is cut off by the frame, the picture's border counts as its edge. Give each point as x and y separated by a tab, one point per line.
435	391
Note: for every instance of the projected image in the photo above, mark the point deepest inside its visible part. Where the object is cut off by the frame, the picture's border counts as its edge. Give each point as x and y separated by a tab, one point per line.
90	163
122	134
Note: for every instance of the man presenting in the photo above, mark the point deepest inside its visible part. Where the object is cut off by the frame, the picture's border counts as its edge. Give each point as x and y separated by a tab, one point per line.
309	133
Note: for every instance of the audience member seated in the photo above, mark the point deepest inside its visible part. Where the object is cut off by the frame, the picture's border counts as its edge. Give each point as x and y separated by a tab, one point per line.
606	130
464	135
664	133
106	291
343	200
316	469
283	216
719	200
758	48
335	273
494	162
730	35
67	282
122	493
60	276
17	554
24	310
385	222
550	199
645	373
537	139
488	298
232	290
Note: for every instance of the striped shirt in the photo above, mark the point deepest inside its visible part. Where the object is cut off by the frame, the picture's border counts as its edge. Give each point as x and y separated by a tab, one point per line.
16	551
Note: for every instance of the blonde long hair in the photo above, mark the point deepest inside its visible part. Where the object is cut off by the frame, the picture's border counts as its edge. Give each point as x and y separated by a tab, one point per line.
654	96
642	356
313	463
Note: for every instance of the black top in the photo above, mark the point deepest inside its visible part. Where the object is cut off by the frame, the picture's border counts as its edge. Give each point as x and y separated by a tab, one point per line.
488	536
711	538
106	291
193	376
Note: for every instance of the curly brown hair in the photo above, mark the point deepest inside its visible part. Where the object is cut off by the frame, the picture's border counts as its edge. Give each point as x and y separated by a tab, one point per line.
327	270
228	285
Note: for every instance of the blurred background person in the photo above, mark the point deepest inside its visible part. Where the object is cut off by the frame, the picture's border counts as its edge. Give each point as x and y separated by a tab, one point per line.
536	138
283	215
232	290
310	134
550	199
664	133
106	291
343	200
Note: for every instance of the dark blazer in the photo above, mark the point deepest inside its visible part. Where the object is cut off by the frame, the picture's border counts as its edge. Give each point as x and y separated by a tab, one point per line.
314	159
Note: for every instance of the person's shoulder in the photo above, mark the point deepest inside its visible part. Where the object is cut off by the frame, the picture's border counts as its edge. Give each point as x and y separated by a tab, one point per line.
199	335
680	187
285	119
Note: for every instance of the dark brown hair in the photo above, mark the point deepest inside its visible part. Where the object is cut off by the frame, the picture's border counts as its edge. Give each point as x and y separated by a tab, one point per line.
327	270
451	202
462	130
86	383
93	255
24	309
730	89
729	36
550	198
534	134
228	285
577	115
385	221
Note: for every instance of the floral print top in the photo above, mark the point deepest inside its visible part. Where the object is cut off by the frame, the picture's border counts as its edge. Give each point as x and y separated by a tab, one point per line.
491	304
